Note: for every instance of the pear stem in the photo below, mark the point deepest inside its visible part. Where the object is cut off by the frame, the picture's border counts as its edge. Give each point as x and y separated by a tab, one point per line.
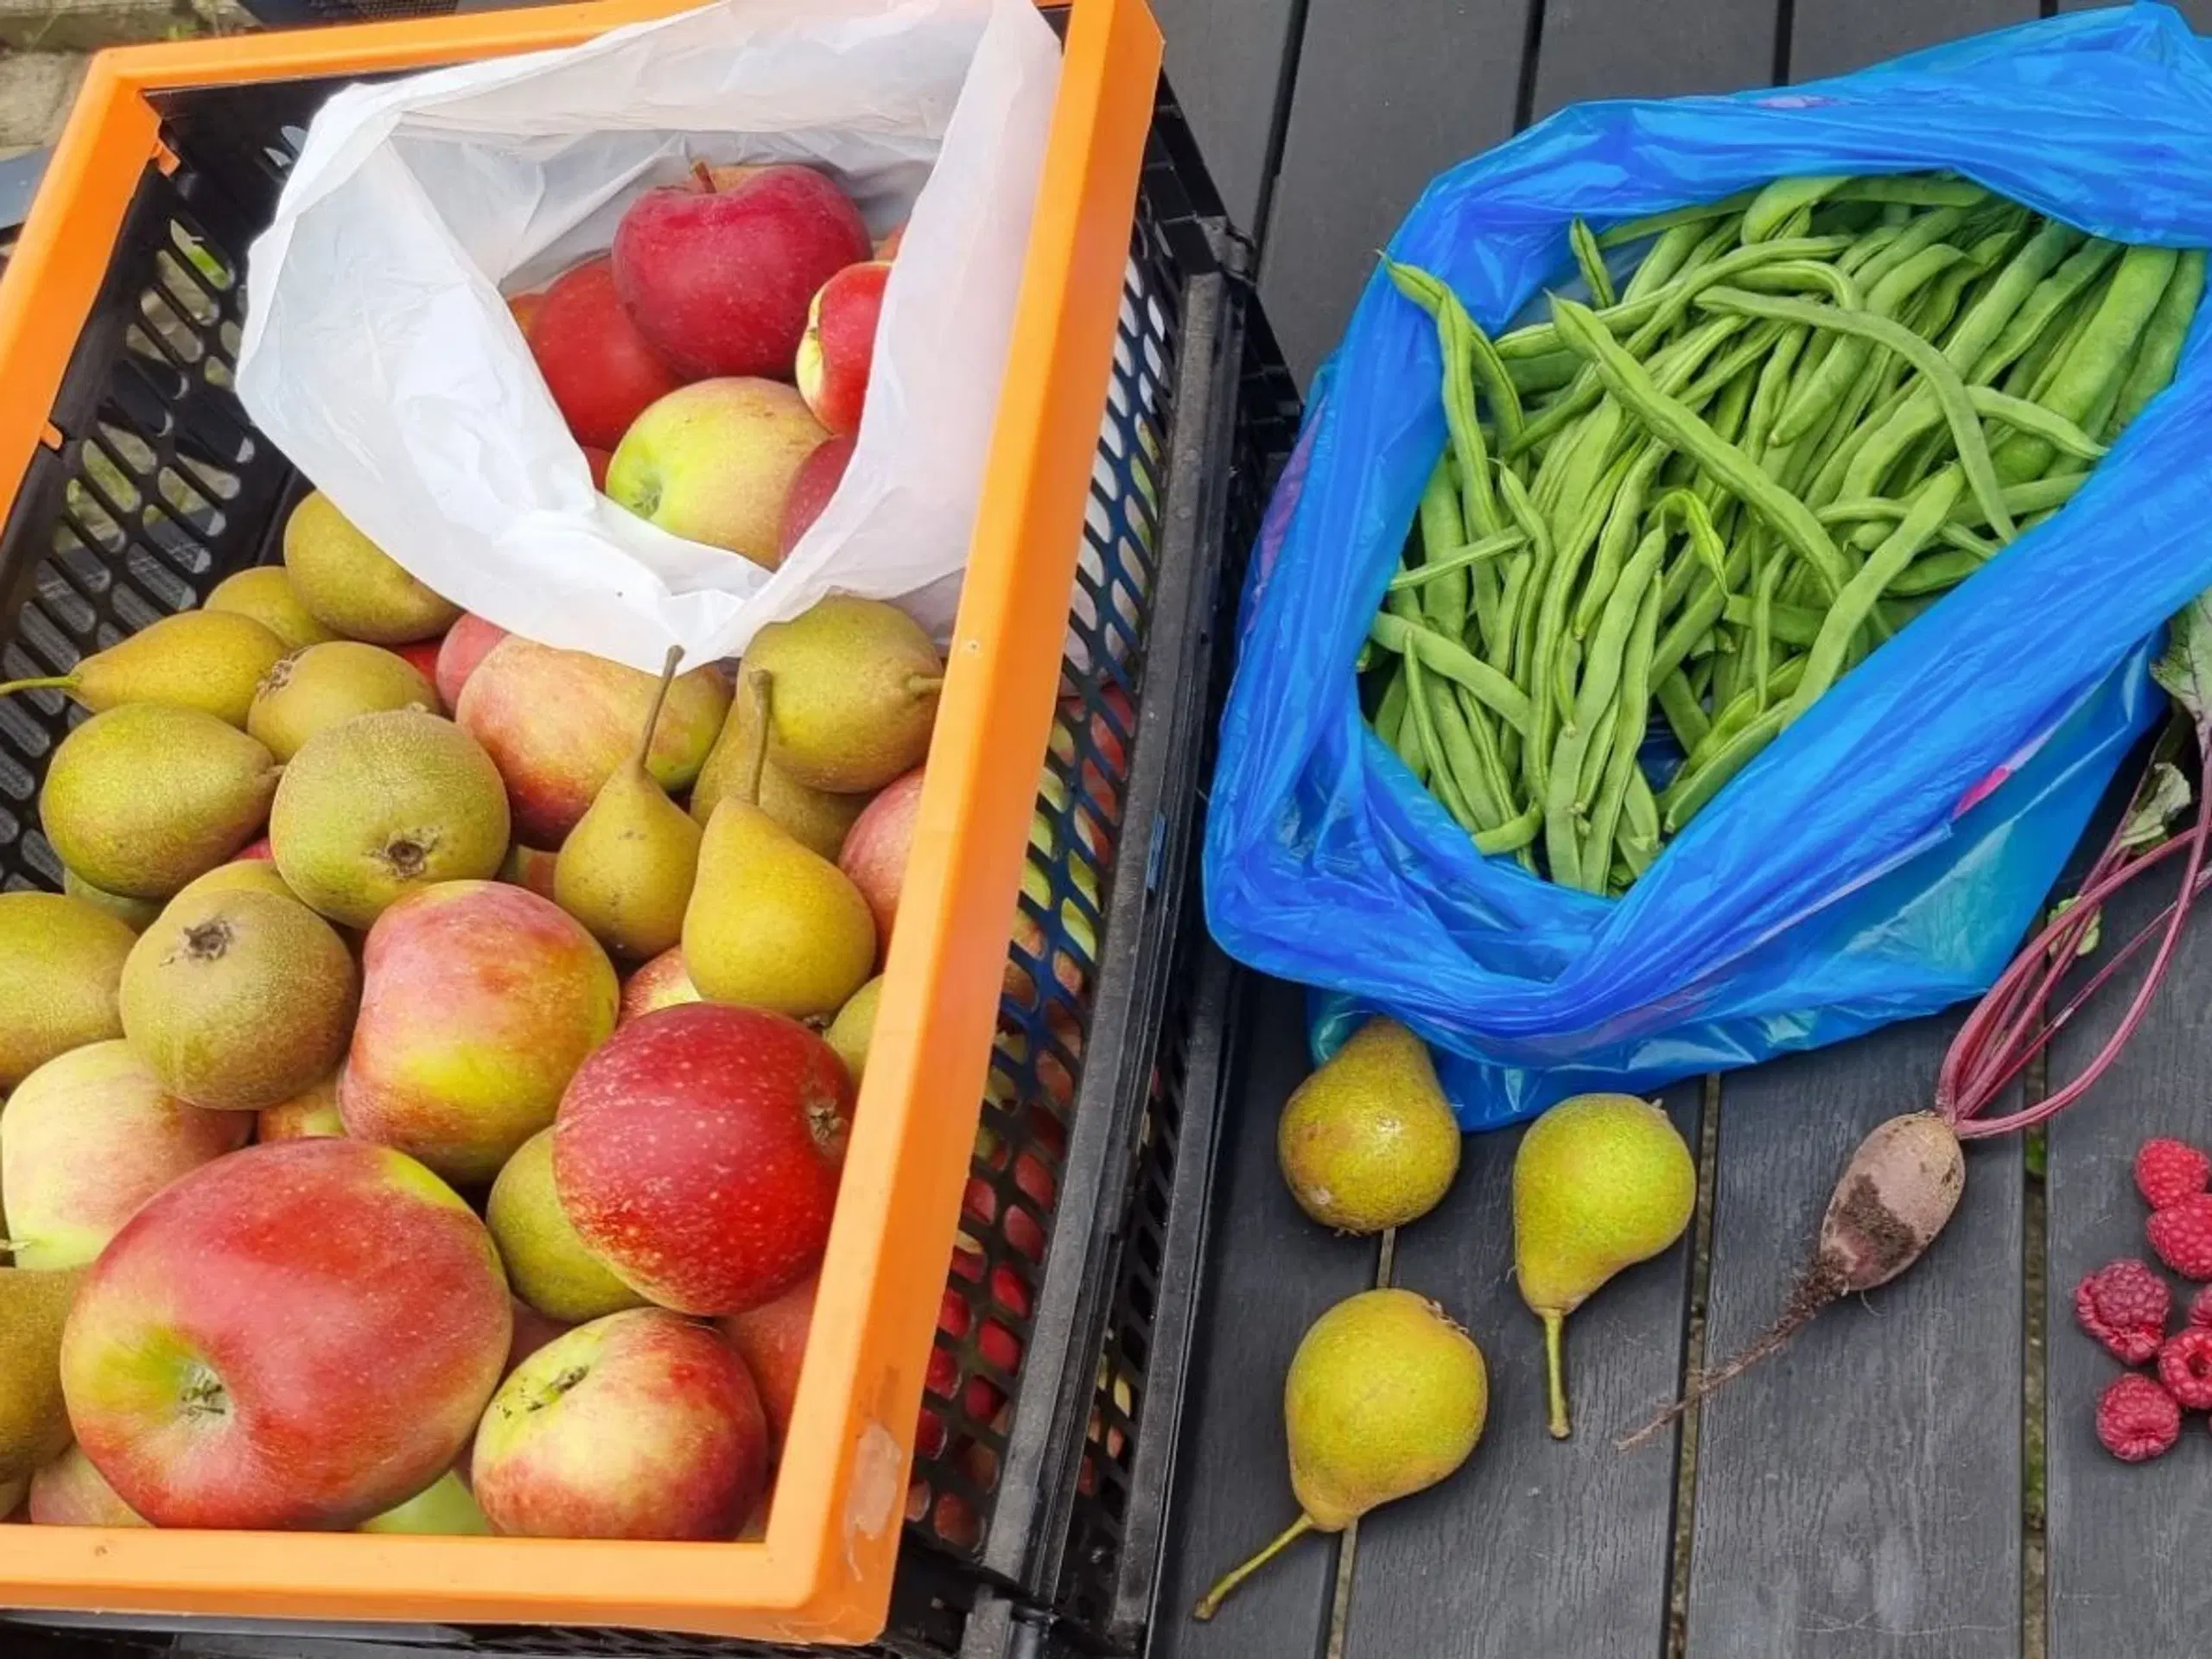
921	685
51	682
1211	1602
705	175
759	685
1555	1371
652	715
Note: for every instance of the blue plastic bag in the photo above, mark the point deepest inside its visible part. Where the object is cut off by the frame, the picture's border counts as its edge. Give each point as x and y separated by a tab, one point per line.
1882	858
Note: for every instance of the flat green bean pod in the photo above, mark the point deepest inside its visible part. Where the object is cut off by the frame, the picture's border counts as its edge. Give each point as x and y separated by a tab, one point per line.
1449	658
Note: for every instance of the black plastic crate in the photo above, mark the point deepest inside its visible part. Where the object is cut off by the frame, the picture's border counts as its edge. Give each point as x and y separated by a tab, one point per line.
1042	1501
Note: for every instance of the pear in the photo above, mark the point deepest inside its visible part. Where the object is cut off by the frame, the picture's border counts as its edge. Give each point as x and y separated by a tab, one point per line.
205	660
548	1265
1600	1182
237	999
815	818
1385	1397
856	693
772	924
265	593
382	804
142	799
60	964
325	684
446	1508
34	1426
626	870
1368	1142
854	1029
133	913
353	586
254	874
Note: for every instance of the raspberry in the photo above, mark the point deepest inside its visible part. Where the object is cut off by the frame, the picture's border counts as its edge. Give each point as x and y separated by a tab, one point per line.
2125	1306
2200	1311
2185	1367
2166	1172
2182	1235
2137	1420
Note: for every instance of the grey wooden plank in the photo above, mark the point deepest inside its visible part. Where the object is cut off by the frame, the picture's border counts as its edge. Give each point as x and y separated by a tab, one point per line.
1609	48
1228	60
1858	1496
1827	37
1272	1272
2127	1553
2199	12
1567	1541
1388	96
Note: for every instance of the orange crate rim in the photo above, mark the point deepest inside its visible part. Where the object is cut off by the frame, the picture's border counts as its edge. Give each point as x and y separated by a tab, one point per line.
823	1572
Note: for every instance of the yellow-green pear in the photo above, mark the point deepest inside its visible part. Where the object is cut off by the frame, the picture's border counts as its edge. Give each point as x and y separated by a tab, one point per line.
549	1266
1385	1397
772	924
856	693
1600	1183
626	870
34	1426
133	913
144	797
353	586
1368	1141
854	1029
817	818
446	1508
209	661
325	685
264	593
61	967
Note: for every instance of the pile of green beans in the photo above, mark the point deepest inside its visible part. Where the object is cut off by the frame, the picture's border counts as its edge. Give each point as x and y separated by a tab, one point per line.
1781	426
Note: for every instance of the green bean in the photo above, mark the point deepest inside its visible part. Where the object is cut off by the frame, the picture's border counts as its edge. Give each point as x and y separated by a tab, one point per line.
1775	204
1631	714
1436	774
1682	428
1634	229
2098	358
1680	705
1444	601
1761	630
1745	354
1485	811
1639	839
1767	396
1593	705
2050	296
1866	248
1951	391
2033	375
1541	372
1415	643
1672	247
2036	421
1843	365
1551	612
1458	559
1512	835
1479	507
2163	337
1936	572
1524	580
1795	275
1620	531
1592	263
1916	190
1535	341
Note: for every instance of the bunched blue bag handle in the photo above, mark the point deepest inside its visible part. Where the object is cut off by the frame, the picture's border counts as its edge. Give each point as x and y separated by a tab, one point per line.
2021	690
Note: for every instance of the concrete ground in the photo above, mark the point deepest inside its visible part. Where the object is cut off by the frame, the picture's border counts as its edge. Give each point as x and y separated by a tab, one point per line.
44	45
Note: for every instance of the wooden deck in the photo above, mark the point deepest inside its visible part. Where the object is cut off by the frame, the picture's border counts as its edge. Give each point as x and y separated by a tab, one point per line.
1918	1476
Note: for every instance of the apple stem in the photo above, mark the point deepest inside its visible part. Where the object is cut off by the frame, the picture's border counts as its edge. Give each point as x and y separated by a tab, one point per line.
759	685
705	175
660	696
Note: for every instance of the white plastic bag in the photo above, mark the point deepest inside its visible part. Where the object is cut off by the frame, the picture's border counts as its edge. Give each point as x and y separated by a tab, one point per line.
379	355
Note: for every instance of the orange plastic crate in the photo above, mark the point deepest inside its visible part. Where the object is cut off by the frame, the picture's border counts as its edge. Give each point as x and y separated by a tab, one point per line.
823	1572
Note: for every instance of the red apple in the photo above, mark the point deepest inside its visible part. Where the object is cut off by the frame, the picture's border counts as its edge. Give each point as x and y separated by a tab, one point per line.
478	1001
661	983
640	1425
597	366
255	850
839	343
303	1116
525	307
466	643
873	857
70	1492
528	867
89	1138
598	461
718	279
556	723
298	1336
698	1152
816	481
888	248
772	1341
422	657
714	462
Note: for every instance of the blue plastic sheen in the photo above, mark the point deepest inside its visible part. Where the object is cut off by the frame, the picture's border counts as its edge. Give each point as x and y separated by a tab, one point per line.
1884	857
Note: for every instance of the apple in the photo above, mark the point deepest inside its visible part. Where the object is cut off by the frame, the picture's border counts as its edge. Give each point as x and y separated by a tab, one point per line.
639	1424
86	1141
465	644
298	1336
839	344
715	462
315	1113
716	271
873	857
888	248
525	307
557	723
772	1341
422	657
597	366
532	1332
661	983
478	999
70	1492
698	1152
445	1507
531	868
816	481
253	850
598	461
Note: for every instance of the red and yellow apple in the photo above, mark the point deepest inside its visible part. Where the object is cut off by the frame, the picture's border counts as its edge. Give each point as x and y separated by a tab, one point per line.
314	1113
714	462
873	857
465	644
70	1492
816	481
531	868
839	344
640	1425
772	1341
597	366
298	1336
478	1001
661	983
